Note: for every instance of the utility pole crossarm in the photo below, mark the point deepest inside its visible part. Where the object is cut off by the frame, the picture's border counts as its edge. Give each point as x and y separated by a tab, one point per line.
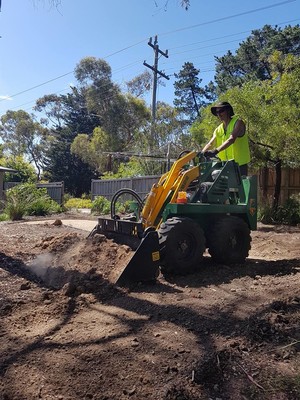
156	71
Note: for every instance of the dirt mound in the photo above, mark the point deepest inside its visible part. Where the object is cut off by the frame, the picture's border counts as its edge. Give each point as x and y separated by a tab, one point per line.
67	332
79	264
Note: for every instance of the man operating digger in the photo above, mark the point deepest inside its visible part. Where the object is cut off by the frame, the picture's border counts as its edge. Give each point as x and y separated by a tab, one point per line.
230	139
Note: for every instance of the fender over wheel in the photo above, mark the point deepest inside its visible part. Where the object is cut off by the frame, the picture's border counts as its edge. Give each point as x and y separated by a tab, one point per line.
229	240
182	244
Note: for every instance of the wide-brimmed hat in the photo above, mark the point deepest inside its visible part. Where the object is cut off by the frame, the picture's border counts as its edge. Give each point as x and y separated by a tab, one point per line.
223	104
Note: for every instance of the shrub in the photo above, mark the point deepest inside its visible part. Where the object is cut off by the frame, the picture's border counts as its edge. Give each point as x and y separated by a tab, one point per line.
101	206
26	199
288	213
43	206
78	203
3	217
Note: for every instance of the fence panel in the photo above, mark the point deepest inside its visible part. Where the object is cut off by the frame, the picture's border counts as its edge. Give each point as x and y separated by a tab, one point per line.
55	190
107	188
290	183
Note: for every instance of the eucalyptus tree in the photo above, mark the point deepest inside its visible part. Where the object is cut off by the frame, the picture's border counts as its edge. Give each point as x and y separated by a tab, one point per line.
95	102
140	85
23	136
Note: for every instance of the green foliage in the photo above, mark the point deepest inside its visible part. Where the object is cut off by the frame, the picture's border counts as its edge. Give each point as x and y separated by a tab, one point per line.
126	170
26	171
270	110
101	206
93	149
43	205
287	214
78	203
68	116
140	85
26	199
251	60
188	92
202	129
4	217
22	136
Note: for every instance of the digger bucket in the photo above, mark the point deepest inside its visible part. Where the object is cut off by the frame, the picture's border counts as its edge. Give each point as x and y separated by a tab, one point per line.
143	266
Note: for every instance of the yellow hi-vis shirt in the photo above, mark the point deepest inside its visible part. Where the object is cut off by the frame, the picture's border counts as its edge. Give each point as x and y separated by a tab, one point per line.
239	150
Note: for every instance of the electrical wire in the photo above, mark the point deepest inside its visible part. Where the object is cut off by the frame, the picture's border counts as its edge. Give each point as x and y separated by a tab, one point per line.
166	33
228	17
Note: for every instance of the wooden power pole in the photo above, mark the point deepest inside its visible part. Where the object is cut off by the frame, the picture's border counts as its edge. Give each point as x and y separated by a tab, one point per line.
156	72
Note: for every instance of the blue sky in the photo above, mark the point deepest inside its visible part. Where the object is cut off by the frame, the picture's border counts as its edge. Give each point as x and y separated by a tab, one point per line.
40	46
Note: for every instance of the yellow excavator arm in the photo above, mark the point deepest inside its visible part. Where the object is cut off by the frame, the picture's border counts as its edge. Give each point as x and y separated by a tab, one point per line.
166	189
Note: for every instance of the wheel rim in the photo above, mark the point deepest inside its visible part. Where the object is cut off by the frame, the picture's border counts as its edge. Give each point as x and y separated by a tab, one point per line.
233	241
185	247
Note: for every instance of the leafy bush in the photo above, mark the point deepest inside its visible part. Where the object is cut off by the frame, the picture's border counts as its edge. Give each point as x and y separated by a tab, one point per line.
78	203
3	217
101	206
26	199
266	213
43	206
288	213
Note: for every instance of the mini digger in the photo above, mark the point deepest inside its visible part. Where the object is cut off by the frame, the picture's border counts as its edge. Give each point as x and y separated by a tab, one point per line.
198	204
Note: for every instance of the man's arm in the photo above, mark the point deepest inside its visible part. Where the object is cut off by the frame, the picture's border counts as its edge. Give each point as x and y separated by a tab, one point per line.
209	144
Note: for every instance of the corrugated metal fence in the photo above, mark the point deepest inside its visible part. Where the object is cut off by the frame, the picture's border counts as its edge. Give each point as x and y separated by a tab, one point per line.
55	190
107	188
290	184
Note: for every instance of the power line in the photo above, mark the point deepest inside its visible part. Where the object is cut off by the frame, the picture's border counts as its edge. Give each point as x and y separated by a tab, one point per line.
166	33
233	34
167	69
228	17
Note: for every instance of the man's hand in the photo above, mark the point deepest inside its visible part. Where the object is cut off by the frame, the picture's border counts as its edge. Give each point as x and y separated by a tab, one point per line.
210	153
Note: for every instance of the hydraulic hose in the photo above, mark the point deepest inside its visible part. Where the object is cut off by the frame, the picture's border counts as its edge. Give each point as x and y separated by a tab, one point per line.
119	193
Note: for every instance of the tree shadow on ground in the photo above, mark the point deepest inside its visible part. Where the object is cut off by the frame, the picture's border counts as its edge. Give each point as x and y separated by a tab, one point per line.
211	273
204	326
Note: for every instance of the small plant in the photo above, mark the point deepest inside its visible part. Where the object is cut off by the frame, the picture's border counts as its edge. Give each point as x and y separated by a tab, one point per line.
26	199
43	206
101	206
3	217
288	213
78	203
266	213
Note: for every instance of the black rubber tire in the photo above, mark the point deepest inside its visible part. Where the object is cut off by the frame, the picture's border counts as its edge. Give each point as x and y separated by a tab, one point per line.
229	240
182	244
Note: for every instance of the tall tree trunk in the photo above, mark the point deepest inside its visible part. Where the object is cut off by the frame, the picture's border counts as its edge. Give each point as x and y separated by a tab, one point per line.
264	183
277	188
195	101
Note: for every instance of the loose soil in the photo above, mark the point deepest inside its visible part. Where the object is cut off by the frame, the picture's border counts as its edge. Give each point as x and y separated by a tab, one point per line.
68	332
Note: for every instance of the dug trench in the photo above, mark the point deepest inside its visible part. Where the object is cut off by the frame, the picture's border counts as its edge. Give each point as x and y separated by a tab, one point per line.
68	332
